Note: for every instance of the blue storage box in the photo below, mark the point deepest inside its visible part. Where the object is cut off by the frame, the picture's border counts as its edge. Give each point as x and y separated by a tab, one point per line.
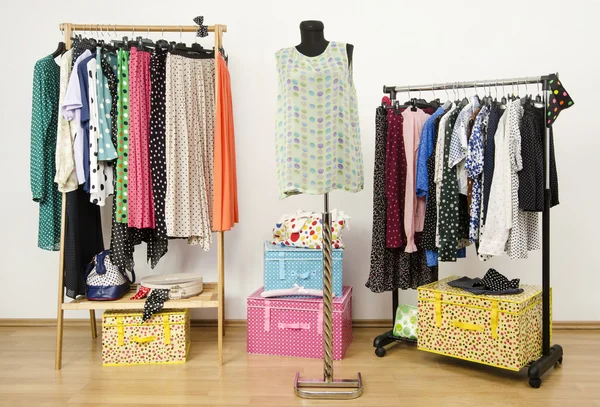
286	266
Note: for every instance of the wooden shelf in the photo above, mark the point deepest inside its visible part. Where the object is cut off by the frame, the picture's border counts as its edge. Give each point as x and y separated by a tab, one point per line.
207	299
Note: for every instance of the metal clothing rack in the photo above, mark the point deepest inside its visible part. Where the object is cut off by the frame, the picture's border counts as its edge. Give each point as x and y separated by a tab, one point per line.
551	355
213	295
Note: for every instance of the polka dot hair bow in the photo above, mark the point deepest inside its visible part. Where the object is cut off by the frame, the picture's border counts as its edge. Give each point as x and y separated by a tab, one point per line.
202	30
559	100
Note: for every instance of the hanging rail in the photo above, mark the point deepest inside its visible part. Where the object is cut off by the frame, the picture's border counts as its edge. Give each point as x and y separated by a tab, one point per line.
138	28
462	85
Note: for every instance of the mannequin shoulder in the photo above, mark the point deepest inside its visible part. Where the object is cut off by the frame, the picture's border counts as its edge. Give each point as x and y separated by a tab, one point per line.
349	51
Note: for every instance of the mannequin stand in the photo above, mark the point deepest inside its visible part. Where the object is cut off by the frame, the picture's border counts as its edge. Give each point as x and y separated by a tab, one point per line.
330	386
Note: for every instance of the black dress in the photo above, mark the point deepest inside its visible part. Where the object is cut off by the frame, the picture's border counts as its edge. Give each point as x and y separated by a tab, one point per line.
391	268
83	240
531	176
158	245
489	157
430	225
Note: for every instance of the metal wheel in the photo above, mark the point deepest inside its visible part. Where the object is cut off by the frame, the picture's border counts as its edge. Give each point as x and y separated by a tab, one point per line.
380	352
535	383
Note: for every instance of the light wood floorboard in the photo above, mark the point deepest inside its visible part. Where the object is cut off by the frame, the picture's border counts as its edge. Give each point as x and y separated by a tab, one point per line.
405	377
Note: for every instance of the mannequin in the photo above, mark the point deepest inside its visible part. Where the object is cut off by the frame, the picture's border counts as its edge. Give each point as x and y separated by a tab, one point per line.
313	42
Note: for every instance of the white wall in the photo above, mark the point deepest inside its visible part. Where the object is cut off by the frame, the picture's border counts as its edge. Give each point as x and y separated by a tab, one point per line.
396	43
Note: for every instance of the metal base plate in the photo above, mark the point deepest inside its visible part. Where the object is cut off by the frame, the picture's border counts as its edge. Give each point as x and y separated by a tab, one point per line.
331	391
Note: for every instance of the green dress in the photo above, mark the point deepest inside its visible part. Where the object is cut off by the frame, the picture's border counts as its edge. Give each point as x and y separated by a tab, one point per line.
122	135
44	122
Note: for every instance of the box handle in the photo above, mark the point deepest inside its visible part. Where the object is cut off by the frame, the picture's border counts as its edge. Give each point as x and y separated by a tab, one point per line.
281	268
120	331
167	329
267	316
494	319
297	325
438	310
147	339
468	326
320	319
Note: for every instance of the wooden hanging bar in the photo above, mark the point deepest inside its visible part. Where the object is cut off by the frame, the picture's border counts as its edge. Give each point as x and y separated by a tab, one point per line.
213	295
138	28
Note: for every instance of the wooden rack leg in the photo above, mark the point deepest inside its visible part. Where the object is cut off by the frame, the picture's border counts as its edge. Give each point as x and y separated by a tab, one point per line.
93	323
221	292
60	311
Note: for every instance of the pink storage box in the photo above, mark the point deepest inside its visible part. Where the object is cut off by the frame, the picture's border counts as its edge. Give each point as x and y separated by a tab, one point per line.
289	326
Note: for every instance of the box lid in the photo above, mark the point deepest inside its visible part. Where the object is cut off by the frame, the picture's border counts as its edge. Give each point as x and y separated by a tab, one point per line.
442	286
270	247
299	302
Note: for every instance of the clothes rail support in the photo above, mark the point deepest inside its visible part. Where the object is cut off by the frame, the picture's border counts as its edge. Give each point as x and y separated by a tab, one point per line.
551	355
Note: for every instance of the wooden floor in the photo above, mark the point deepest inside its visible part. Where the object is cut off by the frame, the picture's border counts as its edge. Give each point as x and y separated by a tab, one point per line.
405	377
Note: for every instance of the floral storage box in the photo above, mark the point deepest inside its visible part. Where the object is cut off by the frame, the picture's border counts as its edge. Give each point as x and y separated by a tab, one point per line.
293	326
287	266
498	330
126	340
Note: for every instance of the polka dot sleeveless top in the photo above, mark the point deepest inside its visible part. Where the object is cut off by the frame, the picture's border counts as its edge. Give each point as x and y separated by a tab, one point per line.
318	137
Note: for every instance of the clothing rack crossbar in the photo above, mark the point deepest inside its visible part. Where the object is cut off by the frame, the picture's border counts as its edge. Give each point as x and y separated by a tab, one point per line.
109	28
218	29
527	80
551	355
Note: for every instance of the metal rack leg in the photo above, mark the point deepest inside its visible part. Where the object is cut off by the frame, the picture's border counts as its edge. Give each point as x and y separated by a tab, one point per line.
551	356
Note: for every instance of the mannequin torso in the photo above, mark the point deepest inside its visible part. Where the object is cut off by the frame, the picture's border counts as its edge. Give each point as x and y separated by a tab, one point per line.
313	40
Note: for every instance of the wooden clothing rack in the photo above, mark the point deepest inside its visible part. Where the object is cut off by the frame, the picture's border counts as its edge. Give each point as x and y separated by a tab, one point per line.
213	295
551	355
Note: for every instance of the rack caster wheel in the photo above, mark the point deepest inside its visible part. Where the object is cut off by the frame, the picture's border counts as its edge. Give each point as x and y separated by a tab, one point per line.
560	361
535	383
380	352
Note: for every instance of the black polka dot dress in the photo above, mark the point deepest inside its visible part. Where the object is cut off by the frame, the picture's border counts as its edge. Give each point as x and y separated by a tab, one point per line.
158	166
448	215
391	268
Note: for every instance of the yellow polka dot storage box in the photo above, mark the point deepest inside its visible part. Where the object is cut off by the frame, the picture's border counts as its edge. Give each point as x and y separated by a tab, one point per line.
287	266
503	331
163	339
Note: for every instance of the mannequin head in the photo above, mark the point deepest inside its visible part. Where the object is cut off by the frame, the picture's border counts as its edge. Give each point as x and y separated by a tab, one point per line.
312	25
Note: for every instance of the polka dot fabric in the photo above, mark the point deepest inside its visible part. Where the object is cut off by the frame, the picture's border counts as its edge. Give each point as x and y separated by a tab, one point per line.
106	149
186	202
159	351
448	211
140	203
290	326
514	343
318	138
122	136
395	181
158	165
155	302
44	123
286	266
101	173
559	100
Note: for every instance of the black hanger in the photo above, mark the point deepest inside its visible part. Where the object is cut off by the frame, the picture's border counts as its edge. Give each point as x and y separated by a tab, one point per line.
143	44
61	49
